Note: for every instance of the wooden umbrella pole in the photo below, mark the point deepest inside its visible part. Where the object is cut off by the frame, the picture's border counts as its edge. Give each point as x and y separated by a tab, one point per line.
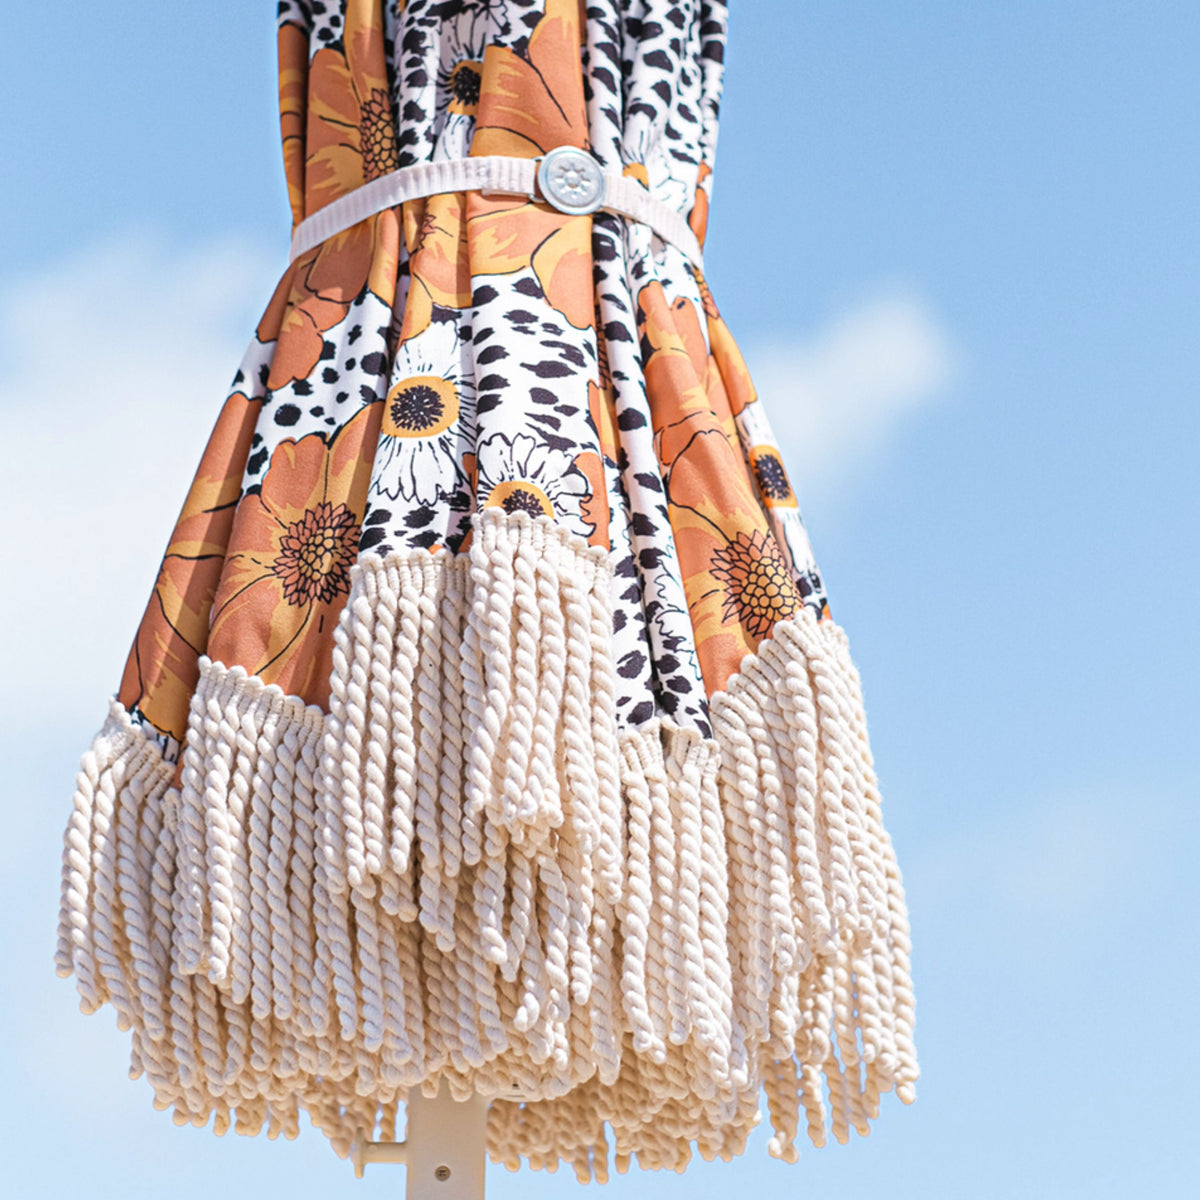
444	1148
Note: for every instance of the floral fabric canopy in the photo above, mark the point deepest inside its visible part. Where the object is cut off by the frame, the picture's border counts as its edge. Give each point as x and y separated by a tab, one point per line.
487	721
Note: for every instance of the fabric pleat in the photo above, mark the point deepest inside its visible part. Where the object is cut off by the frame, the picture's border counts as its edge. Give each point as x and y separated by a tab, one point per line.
488	723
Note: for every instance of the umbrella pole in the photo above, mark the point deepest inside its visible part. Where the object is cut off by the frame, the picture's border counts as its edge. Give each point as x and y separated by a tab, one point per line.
444	1148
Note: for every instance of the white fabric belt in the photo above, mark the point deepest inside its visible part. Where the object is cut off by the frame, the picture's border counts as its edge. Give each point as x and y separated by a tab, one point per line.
567	178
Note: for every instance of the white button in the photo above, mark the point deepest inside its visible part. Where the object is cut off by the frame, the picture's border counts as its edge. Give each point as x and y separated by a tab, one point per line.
572	180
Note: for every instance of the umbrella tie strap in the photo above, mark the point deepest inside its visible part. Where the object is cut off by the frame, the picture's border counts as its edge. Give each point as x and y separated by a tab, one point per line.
566	178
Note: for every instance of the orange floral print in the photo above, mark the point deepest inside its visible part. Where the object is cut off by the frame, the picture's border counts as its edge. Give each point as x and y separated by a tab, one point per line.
528	105
287	574
706	297
594	507
351	134
533	102
772	478
465	87
637	170
507	235
162	668
735	577
279	589
322	284
439	262
731	381
293	100
698	217
732	366
349	139
758	582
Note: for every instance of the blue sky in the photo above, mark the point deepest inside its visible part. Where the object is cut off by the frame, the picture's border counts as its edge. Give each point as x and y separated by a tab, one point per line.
958	245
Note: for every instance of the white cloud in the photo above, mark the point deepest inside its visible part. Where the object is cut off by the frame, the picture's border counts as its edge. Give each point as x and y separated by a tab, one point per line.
835	397
113	365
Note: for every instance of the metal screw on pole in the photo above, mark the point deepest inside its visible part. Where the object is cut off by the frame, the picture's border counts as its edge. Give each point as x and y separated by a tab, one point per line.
444	1138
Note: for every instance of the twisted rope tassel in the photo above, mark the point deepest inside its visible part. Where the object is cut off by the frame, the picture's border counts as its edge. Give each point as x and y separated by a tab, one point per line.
436	904
402	797
635	928
138	819
450	625
523	791
345	837
635	914
302	883
487	655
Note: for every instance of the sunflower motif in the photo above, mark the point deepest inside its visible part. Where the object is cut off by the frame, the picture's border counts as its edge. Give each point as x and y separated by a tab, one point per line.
339	132
519	474
316	554
463	83
351	136
520	495
287	572
377	135
758	583
460	74
420	406
428	420
771	476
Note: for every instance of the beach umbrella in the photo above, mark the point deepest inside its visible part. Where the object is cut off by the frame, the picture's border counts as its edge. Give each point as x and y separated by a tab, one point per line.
488	733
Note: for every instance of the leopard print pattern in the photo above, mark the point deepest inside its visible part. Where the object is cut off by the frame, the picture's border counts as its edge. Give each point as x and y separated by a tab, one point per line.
487	350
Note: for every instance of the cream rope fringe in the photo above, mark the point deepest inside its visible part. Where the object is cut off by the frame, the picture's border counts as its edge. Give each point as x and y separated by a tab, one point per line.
464	872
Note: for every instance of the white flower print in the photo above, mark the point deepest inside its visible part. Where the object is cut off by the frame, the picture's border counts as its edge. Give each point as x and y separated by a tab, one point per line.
428	419
521	473
460	72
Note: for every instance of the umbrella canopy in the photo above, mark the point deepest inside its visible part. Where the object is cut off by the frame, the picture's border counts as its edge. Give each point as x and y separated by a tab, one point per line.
487	723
